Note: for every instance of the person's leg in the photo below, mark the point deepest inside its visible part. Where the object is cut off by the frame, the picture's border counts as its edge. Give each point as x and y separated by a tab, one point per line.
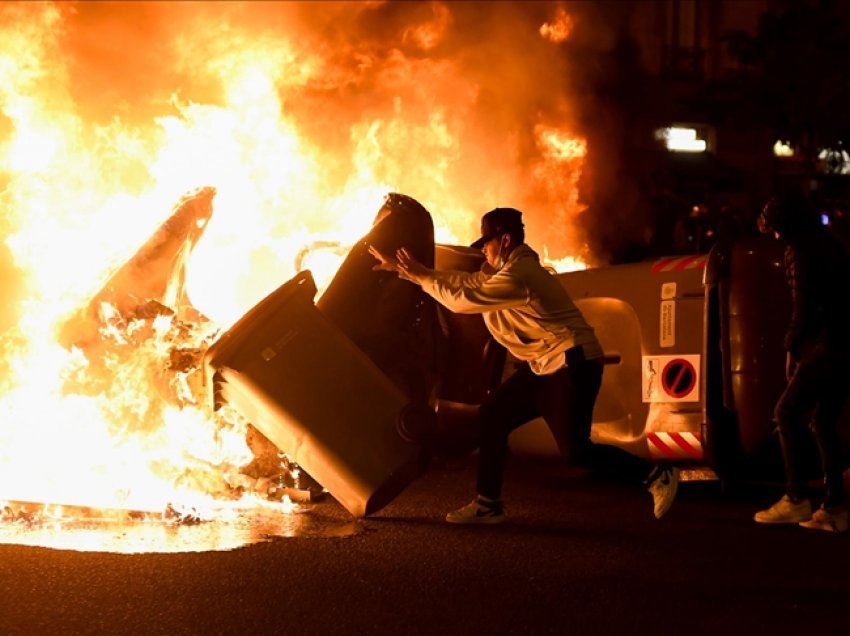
566	400
510	406
507	408
825	428
833	515
792	411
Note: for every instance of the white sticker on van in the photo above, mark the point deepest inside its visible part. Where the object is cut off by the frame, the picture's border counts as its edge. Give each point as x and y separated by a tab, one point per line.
670	378
668	291
667	322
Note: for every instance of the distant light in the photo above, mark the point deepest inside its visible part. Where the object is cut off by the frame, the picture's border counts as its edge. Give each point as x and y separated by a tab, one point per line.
838	158
680	139
781	149
824	219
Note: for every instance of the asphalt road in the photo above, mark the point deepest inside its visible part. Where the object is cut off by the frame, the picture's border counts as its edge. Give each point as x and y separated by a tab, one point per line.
577	556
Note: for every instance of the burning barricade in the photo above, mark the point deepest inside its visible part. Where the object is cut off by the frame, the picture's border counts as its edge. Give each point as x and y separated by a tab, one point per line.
341	393
342	385
133	352
101	381
341	389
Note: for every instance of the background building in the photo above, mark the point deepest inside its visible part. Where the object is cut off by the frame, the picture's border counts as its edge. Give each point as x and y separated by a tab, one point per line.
750	94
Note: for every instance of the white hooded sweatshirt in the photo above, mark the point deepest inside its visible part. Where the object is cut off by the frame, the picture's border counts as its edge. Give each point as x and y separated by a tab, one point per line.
524	307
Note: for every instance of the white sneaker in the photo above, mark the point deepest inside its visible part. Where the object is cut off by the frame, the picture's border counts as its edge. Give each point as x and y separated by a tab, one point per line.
477	512
785	511
663	487
832	520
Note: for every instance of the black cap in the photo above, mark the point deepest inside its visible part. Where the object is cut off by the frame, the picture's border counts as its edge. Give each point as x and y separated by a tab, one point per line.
498	221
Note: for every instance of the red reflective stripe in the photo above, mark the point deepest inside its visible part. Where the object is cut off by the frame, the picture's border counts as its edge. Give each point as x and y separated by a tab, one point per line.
685	262
659	266
661	446
680	445
690	450
679	263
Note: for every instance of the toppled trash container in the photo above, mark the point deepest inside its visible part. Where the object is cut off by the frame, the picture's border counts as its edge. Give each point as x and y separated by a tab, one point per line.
392	320
314	394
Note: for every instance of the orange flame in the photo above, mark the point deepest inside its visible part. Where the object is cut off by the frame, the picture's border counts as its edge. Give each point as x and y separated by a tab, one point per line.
559	29
300	134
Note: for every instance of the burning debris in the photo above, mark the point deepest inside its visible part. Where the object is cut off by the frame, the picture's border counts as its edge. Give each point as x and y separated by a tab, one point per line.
141	326
302	129
136	348
21	516
143	317
37	515
151	283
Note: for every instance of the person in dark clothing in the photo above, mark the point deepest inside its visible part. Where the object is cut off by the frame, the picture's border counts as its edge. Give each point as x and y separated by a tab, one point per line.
818	352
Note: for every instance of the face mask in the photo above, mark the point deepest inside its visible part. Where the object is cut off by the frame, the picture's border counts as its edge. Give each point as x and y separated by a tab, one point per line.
500	261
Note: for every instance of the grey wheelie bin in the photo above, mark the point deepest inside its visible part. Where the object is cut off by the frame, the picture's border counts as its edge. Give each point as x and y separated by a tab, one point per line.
315	395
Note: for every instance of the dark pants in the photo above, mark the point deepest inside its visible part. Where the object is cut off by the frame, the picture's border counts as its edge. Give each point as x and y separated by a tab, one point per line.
815	396
565	400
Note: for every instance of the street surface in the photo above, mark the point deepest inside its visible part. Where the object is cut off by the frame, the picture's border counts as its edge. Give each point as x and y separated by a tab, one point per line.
576	556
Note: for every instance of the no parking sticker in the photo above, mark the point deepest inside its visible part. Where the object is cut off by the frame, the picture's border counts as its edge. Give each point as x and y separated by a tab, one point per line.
670	378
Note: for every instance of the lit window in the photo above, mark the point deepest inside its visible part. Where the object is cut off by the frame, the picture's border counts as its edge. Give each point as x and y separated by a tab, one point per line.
835	161
781	149
679	139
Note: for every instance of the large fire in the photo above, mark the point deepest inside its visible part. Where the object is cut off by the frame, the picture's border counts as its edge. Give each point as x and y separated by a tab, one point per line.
301	117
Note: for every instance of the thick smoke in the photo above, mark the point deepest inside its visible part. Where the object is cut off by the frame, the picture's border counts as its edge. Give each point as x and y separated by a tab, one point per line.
618	107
